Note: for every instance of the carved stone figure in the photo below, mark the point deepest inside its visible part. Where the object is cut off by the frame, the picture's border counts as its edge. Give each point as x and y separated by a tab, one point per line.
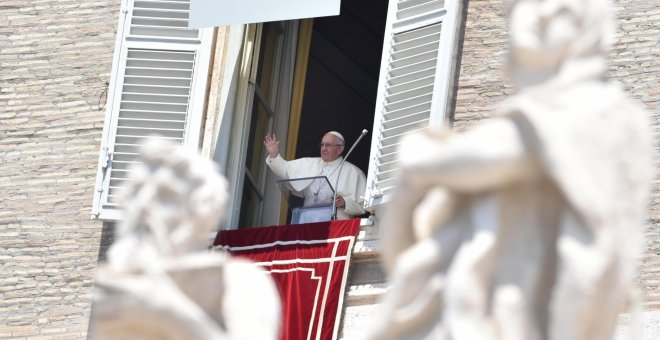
527	226
161	282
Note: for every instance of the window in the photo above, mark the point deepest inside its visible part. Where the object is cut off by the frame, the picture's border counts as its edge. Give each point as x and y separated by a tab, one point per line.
413	88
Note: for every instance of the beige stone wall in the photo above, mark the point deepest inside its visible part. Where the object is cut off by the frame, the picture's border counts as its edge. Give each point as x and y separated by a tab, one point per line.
481	85
634	62
55	59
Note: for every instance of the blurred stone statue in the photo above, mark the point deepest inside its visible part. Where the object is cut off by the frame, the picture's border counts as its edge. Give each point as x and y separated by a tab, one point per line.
527	226
161	281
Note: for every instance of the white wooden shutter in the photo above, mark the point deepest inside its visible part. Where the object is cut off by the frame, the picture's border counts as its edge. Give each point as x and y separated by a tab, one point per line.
157	90
414	82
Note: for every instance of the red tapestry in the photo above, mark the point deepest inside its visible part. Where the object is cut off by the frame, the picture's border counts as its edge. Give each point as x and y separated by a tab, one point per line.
309	264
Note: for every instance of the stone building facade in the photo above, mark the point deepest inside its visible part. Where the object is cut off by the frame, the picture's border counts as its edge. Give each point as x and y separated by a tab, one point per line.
55	63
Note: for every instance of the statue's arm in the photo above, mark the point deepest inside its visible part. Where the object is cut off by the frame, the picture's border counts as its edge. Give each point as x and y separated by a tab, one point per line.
486	157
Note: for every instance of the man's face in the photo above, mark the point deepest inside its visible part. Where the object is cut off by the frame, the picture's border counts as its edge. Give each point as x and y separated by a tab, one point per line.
330	149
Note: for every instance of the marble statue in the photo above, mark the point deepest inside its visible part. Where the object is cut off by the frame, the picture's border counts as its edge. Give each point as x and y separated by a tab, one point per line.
161	281
527	226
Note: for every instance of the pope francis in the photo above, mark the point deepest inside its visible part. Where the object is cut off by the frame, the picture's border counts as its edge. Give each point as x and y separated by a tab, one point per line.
350	184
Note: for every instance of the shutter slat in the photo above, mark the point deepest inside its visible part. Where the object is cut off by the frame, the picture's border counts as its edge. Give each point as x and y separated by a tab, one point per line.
154	107
155	98
388	170
388	161
419	21
414	59
161	65
384	176
405	121
416	8
120	174
125	154
412	39
120	157
173	73
127	131
406	128
404	4
152	22
410	110
415	34
407	102
416	50
417	82
156	31
140	140
410	69
154	80
162	115
413	92
156	88
159	124
141	120
126	149
160	55
151	89
122	165
165	13
411	76
390	139
120	182
184	5
160	12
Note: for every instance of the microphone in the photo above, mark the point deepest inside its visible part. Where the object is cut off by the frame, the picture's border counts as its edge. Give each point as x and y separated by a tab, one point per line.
334	196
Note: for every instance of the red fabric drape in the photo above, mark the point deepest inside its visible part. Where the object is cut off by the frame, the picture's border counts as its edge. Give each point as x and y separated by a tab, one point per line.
309	264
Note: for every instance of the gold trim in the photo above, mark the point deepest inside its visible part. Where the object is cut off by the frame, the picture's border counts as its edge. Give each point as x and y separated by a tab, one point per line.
298	90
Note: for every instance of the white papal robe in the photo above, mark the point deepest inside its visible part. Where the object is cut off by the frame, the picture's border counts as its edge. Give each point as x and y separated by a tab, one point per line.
351	185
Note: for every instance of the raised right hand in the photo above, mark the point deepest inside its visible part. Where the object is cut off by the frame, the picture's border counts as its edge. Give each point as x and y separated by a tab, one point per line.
272	145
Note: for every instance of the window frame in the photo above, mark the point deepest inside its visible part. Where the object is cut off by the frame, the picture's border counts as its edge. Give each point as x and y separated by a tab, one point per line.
243	102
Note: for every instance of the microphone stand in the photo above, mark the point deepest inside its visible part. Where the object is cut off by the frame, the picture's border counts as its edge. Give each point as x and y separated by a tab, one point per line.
334	196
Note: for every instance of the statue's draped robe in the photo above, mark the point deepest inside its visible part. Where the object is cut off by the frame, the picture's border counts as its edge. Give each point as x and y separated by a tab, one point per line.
549	256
